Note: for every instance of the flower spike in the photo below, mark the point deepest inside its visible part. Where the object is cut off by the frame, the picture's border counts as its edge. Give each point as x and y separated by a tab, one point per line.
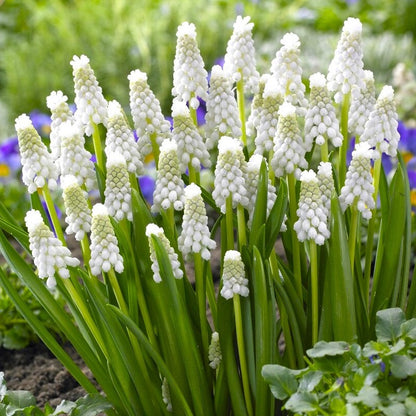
234	276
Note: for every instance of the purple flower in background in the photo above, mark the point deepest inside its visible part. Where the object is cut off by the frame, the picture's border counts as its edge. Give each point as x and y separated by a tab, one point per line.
41	122
147	186
200	112
407	142
9	157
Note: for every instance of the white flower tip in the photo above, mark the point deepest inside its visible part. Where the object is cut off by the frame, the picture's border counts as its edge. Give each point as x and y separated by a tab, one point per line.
325	169
114	109
99	209
153	229
387	93
271	88
23	122
68	181
232	255
69	129
254	163
217	72
362	149
286	110
186	29
33	219
317	80
55	99
243	24
290	41
179	108
136	76
79	62
115	159
192	191
308	176
352	25
229	144
168	145
368	76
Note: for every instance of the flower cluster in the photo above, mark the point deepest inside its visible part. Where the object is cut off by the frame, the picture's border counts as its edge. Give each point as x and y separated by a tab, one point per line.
234	280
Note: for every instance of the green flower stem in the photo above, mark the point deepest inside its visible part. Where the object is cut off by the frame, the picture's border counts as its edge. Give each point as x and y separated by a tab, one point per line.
371	227
193	177
324	151
96	139
271	171
229	222
241	223
117	291
242	354
192	112
200	284
241	109
211	293
342	167
86	252
291	183
314	291
155	148
54	216
352	236
289	347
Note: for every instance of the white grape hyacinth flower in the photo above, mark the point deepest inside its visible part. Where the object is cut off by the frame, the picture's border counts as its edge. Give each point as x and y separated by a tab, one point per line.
240	57
89	99
230	174
312	214
326	184
234	276
214	351
254	120
75	159
222	117
60	113
49	255
321	120
153	229
189	74
380	130
191	147
253	174
362	104
268	116
117	188
38	168
120	139
166	395
289	149
286	69
346	68
146	113
358	187
104	244
78	213
195	236
169	188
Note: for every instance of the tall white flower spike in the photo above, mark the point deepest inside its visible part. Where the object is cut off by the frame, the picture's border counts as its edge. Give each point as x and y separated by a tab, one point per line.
60	112
214	351
38	166
320	120
380	131
117	188
234	276
312	214
104	245
289	148
78	214
286	69
254	120
146	113
222	116
49	255
230	174
268	116
191	147
169	189
359	182
75	159
189	74
253	174
195	236
362	104
326	184
153	229
240	57
346	68
89	99
120	138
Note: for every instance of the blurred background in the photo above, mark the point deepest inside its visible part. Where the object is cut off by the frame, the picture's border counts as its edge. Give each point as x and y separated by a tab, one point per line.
39	37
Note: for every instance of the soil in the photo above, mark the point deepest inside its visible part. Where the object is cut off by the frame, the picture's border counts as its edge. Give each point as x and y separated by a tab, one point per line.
35	369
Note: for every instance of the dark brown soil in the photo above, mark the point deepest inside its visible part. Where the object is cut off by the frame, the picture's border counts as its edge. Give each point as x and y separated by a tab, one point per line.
35	369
